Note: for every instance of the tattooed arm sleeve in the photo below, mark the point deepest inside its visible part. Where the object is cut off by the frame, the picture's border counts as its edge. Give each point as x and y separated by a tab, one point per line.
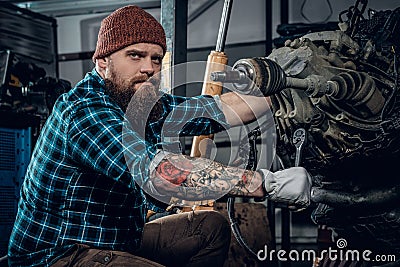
190	178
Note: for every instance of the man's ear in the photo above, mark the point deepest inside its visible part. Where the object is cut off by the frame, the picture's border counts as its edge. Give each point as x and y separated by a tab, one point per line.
101	66
102	62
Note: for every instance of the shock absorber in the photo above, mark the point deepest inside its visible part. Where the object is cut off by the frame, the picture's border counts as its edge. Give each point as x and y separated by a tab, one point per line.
359	90
253	74
264	76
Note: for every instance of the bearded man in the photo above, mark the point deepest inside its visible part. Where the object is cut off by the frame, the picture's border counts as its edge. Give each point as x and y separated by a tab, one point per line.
84	199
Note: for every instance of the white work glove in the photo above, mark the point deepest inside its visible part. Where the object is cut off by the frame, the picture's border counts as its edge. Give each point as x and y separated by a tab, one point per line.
291	187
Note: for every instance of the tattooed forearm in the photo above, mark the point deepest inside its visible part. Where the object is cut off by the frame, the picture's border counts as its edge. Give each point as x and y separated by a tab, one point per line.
200	178
245	186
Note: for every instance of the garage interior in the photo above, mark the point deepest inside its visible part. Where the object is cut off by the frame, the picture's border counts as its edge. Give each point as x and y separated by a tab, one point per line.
56	39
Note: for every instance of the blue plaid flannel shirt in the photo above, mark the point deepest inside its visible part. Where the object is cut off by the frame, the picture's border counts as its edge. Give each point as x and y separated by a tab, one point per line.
78	188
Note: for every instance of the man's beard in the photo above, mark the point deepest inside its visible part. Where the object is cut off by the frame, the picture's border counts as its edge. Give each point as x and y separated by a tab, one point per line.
119	92
140	106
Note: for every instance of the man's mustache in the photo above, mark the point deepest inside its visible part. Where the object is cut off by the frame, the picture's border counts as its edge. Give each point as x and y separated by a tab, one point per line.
154	80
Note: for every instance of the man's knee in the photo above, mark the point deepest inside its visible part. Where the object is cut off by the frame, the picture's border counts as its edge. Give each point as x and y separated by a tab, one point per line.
217	224
217	219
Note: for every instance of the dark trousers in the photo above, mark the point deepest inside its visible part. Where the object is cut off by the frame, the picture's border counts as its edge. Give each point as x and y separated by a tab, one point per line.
199	238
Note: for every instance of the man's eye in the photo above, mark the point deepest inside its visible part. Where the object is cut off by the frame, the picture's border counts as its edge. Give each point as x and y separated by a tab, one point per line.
157	60
134	55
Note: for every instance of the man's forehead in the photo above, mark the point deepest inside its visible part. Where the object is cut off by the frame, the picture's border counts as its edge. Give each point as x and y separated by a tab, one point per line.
148	48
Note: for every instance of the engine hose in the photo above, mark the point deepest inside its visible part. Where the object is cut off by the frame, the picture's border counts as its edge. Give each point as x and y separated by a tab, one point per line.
230	205
235	228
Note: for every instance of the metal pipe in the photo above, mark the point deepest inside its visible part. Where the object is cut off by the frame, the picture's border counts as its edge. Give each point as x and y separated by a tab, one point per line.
373	198
223	26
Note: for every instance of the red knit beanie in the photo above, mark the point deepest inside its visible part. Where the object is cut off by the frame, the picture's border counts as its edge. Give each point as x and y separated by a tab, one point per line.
126	26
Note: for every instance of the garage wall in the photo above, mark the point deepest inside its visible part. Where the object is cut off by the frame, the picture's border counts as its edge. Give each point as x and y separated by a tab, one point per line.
247	25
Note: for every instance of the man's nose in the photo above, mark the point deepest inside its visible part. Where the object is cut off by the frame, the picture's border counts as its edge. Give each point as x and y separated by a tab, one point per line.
147	66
